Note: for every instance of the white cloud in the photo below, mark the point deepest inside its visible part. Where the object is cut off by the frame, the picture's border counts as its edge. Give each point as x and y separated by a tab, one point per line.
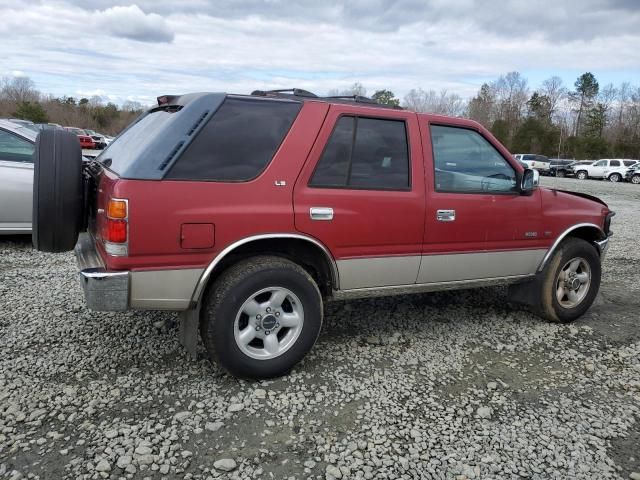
252	48
131	22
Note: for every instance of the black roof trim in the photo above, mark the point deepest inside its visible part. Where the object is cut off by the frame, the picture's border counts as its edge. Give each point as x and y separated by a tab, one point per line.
301	94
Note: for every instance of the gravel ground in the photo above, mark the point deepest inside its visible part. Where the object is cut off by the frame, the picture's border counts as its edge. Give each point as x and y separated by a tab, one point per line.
446	385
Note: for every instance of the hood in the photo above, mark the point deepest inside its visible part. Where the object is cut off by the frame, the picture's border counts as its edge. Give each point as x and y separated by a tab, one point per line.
582	195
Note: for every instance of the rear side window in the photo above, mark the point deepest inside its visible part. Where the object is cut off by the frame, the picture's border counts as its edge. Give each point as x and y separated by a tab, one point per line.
238	142
365	153
614	163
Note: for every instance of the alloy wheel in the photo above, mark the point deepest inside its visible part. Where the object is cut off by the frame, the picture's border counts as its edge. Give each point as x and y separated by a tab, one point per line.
268	323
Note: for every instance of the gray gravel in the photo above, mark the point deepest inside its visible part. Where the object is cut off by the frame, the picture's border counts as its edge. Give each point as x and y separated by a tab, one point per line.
446	385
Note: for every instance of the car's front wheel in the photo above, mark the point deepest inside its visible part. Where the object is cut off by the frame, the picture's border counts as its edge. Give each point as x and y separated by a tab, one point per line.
636	179
570	281
261	317
582	175
561	173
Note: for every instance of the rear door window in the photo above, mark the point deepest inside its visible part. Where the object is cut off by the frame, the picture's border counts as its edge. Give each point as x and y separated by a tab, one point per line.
365	153
614	163
238	142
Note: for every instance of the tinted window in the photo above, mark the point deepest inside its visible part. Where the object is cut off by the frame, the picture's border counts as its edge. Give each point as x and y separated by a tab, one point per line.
629	163
238	142
135	140
465	162
614	163
365	153
333	168
15	149
529	157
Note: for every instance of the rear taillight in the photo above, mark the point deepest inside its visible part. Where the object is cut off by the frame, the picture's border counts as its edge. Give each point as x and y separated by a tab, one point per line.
116	230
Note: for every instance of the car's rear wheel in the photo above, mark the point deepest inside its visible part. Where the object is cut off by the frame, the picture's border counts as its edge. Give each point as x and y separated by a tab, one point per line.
261	317
582	175
570	281
636	178
615	177
58	191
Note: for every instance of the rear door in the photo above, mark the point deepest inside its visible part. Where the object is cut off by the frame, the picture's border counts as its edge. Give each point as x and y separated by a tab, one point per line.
361	193
16	182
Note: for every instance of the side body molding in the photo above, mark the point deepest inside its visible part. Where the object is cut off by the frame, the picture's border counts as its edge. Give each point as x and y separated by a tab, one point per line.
204	278
563	235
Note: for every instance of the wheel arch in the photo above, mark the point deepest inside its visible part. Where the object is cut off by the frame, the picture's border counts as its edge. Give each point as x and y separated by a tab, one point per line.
590	232
306	251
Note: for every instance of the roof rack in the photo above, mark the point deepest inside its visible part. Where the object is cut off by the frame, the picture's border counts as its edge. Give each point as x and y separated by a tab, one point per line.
297	92
302	94
355	98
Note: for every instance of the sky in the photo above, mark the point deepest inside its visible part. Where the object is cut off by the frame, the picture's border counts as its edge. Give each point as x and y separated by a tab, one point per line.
122	50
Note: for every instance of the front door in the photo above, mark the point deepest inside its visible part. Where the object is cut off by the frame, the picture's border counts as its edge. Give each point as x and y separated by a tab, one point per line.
16	182
478	225
597	170
361	193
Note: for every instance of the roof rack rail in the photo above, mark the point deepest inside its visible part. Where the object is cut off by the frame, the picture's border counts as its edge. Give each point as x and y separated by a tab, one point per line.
298	92
355	98
301	93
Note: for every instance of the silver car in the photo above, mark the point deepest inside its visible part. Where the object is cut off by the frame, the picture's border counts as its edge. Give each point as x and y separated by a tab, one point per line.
17	144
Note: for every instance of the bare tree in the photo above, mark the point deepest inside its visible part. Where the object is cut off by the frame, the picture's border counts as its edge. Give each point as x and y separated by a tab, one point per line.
553	89
18	89
443	103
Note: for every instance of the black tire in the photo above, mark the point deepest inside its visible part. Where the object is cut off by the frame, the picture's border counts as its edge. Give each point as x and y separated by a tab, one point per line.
568	250
561	174
57	191
582	175
615	177
225	299
636	178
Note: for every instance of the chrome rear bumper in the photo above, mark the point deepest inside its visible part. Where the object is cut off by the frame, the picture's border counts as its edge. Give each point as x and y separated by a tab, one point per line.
103	290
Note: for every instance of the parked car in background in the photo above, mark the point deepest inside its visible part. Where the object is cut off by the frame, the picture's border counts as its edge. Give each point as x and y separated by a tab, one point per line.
98	139
47	126
85	140
24	123
633	174
537	162
559	167
246	212
613	170
17	144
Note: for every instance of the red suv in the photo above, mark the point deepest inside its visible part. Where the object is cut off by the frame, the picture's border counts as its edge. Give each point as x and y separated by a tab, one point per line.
247	212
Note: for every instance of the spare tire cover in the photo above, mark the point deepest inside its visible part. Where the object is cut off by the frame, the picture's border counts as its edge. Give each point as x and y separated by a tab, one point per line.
57	191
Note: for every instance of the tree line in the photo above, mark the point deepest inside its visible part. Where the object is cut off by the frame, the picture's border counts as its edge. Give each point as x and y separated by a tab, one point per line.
19	98
585	121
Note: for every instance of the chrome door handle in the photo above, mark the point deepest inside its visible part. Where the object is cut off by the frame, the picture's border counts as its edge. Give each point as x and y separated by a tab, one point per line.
446	215
321	213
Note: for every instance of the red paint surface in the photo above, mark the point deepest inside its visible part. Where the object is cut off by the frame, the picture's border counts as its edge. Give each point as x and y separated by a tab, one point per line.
366	223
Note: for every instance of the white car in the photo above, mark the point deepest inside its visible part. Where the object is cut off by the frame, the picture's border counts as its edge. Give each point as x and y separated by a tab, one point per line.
17	144
613	169
537	162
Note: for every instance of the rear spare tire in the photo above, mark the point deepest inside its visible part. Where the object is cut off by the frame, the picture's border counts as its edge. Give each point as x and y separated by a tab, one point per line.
57	191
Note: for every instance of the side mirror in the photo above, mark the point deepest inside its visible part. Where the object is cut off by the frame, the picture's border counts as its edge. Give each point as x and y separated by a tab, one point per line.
530	181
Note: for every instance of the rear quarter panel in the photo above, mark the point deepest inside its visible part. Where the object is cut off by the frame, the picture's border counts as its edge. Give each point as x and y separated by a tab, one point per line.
158	208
